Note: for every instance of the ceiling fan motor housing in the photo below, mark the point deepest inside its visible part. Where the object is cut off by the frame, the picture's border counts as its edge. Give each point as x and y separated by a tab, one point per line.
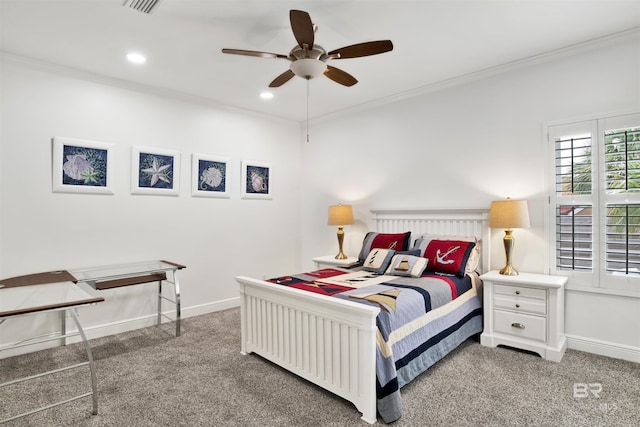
308	63
316	52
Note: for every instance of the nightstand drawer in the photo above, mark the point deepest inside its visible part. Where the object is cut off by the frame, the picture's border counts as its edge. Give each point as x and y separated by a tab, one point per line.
522	325
525	305
520	291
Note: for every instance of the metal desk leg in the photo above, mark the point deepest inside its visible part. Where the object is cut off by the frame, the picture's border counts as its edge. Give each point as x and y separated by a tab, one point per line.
63	327
94	386
159	321
176	286
176	301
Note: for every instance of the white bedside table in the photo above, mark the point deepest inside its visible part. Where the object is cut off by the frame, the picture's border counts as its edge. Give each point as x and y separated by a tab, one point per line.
331	261
525	311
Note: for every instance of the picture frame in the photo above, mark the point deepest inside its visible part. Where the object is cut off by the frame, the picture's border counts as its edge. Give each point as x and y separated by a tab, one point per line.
155	171
82	166
256	181
210	176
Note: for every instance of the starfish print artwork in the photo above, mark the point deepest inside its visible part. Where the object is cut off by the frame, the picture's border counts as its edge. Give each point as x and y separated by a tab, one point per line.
158	173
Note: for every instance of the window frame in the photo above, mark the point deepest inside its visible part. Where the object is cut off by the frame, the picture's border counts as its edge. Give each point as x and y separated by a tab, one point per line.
597	279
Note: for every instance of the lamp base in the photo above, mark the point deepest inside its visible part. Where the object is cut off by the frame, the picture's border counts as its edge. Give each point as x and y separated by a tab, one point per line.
341	254
508	270
508	240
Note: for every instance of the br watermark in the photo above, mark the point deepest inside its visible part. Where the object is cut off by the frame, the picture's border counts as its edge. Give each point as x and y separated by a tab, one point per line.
592	391
584	390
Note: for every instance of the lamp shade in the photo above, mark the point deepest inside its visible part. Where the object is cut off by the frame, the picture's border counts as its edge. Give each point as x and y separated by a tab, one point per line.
509	214
340	215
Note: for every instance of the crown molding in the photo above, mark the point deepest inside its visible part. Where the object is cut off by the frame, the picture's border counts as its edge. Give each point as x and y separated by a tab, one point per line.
553	55
133	86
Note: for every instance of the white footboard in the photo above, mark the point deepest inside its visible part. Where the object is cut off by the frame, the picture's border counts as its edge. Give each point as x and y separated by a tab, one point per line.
330	342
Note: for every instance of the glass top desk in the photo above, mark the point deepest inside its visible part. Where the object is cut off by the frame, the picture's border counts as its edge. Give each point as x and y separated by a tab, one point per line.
65	291
115	276
47	292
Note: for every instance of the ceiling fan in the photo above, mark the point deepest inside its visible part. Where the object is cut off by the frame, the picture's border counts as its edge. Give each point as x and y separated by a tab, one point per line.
309	60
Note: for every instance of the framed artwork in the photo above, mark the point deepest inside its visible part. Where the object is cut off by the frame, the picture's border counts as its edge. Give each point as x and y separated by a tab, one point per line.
209	176
155	171
82	166
256	180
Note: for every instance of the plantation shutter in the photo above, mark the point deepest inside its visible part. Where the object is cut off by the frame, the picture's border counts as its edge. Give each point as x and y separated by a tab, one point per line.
594	213
621	199
572	200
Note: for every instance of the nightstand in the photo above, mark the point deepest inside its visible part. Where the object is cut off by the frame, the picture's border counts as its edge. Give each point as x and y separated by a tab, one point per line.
331	261
526	312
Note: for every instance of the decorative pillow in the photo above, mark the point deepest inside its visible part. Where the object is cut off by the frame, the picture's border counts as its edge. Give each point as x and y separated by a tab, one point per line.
407	265
378	260
474	257
448	256
414	252
373	240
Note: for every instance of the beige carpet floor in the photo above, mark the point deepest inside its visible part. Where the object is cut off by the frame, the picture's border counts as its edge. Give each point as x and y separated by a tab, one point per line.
148	377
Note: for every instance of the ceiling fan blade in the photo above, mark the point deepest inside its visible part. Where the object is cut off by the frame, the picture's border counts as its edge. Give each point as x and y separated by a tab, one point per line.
282	79
302	27
254	53
339	76
362	49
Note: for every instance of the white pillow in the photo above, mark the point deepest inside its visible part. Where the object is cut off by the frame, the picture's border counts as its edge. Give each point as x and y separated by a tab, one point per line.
407	265
378	260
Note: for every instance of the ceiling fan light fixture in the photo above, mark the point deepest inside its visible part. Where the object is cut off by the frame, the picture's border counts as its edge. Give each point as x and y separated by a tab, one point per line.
308	68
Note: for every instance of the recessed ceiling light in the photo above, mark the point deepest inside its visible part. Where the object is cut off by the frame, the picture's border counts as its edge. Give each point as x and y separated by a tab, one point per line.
266	95
136	58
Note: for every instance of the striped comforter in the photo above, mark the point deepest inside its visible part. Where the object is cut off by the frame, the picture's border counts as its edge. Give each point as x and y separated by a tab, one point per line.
421	320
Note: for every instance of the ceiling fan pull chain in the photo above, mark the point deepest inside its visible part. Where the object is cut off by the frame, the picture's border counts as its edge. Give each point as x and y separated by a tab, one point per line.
308	110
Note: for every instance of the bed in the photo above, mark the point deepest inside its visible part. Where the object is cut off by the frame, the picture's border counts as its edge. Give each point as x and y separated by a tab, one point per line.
360	348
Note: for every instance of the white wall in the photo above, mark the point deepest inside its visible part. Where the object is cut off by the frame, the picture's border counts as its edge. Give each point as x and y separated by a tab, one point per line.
216	239
464	146
458	147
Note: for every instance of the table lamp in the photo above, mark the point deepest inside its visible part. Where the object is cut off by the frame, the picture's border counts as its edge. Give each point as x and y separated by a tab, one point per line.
509	214
340	215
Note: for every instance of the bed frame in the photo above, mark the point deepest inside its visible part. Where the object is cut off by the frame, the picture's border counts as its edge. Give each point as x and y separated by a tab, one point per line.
329	341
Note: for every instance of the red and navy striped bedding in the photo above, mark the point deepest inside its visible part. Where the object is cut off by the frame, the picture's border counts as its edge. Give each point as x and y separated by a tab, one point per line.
420	321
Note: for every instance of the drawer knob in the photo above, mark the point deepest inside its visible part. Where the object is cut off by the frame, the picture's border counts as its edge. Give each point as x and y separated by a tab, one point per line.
517	305
518	325
517	292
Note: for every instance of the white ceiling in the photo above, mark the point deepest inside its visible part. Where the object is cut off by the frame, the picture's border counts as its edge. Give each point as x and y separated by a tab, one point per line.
434	41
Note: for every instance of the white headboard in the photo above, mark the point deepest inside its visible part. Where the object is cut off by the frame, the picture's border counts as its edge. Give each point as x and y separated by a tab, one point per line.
456	222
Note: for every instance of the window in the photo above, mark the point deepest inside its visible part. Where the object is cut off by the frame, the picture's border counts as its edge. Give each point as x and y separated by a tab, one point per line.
595	202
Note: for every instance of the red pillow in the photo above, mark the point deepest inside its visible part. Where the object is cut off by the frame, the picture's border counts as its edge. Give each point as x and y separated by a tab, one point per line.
373	240
448	256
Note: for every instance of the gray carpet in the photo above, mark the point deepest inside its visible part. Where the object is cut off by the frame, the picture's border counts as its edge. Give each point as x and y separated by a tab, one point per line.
148	377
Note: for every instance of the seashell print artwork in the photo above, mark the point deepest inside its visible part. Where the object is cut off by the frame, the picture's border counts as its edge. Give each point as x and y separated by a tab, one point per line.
84	166
257	180
212	175
76	166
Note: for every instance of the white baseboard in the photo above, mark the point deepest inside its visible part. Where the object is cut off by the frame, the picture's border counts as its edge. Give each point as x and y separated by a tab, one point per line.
121	326
150	320
211	307
604	348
